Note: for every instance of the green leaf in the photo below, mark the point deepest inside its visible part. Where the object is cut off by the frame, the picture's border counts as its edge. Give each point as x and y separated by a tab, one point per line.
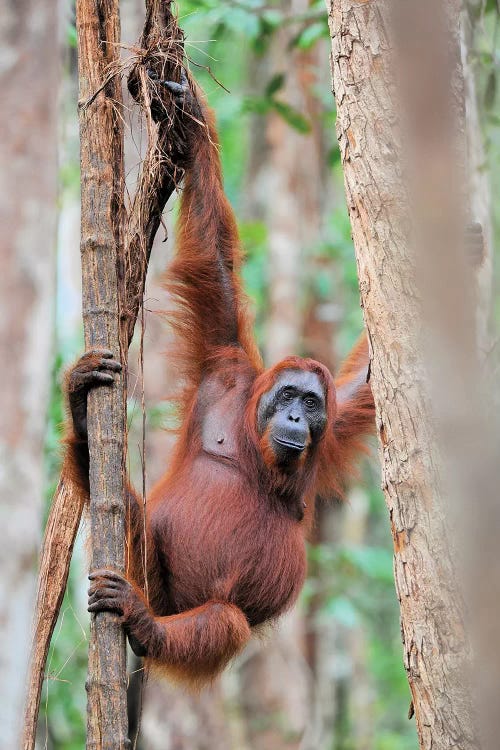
333	157
242	21
257	105
375	562
272	18
253	235
491	90
311	34
292	116
71	36
491	5
323	285
275	84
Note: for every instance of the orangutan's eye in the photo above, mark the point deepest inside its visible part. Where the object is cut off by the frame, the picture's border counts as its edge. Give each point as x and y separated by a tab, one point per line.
287	394
310	402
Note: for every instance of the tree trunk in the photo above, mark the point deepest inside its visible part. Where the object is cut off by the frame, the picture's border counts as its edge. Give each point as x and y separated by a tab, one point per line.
28	186
434	641
101	156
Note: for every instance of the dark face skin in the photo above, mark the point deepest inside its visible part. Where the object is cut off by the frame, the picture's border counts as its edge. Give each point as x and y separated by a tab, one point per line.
293	412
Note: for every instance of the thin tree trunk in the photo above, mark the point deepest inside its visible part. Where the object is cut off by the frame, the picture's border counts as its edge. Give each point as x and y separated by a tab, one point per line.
434	641
102	184
28	189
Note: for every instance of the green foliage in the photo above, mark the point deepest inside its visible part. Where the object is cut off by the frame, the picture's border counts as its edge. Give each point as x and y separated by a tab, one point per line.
63	702
292	116
490	6
264	104
234	25
275	84
71	37
311	34
53	434
254	239
485	58
69	176
354	583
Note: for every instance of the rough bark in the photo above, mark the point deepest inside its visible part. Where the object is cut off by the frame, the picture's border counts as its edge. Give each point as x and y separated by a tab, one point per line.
433	634
28	188
102	184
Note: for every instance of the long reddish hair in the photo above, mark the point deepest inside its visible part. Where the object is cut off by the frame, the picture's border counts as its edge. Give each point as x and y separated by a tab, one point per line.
318	473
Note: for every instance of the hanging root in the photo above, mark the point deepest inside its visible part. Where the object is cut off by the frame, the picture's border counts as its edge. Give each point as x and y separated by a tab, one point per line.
159	56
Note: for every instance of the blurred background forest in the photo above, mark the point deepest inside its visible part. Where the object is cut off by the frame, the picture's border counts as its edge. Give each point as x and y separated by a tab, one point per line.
330	676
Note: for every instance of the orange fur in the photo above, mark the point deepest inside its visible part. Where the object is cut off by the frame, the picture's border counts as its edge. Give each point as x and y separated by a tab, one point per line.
225	525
